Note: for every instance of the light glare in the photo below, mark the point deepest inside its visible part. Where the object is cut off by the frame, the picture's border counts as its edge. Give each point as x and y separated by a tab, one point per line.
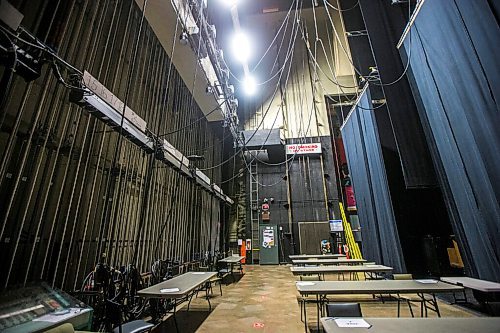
249	85
241	47
229	3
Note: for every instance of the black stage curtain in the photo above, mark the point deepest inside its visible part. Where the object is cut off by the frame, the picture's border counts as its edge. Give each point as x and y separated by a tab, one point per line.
373	200
455	61
385	22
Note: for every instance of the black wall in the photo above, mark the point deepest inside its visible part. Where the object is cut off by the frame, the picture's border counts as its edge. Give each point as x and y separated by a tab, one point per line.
305	184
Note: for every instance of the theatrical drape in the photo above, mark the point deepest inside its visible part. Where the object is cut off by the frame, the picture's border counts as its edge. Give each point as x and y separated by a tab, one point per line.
376	217
454	66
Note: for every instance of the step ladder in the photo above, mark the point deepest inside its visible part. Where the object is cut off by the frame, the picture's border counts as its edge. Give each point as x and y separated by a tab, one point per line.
354	251
254	211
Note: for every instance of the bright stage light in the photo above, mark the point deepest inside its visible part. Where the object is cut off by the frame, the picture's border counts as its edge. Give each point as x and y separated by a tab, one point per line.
240	45
249	85
229	3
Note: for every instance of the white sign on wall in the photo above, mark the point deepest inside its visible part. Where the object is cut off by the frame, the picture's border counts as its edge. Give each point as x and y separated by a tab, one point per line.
336	226
300	149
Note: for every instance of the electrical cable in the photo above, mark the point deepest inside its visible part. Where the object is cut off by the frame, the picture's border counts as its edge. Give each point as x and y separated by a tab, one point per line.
195	121
272	68
217	142
290	160
46	49
276	36
304	36
11	70
244	147
334	58
255	131
286	20
286	160
198	59
197	53
280	47
292	47
60	79
409	56
340	86
174	196
339	9
39	46
240	150
350	60
316	67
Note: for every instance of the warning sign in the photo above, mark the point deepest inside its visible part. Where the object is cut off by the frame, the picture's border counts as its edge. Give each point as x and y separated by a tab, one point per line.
300	149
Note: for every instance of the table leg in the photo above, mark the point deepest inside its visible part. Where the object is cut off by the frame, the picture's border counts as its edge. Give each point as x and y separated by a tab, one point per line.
305	317
208	298
175	317
318	305
436	305
460	300
190	299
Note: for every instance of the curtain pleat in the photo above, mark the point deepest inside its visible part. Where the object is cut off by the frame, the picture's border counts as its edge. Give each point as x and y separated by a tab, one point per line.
376	217
454	62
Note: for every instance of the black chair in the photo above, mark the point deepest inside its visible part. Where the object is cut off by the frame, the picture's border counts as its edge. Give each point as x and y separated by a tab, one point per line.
343	310
222	269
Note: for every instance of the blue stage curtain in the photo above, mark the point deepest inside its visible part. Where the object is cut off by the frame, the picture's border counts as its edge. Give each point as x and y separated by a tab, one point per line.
454	73
376	217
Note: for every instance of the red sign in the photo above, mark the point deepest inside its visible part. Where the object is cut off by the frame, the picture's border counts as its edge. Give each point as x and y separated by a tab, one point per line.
258	325
308	148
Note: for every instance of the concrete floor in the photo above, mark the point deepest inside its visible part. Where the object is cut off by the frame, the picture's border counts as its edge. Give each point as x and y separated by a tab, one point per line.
265	300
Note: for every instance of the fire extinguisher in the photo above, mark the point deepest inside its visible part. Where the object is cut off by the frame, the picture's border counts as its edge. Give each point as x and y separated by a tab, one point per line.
346	251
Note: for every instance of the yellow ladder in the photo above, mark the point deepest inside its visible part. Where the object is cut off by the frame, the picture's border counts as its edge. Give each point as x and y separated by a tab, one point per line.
354	251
